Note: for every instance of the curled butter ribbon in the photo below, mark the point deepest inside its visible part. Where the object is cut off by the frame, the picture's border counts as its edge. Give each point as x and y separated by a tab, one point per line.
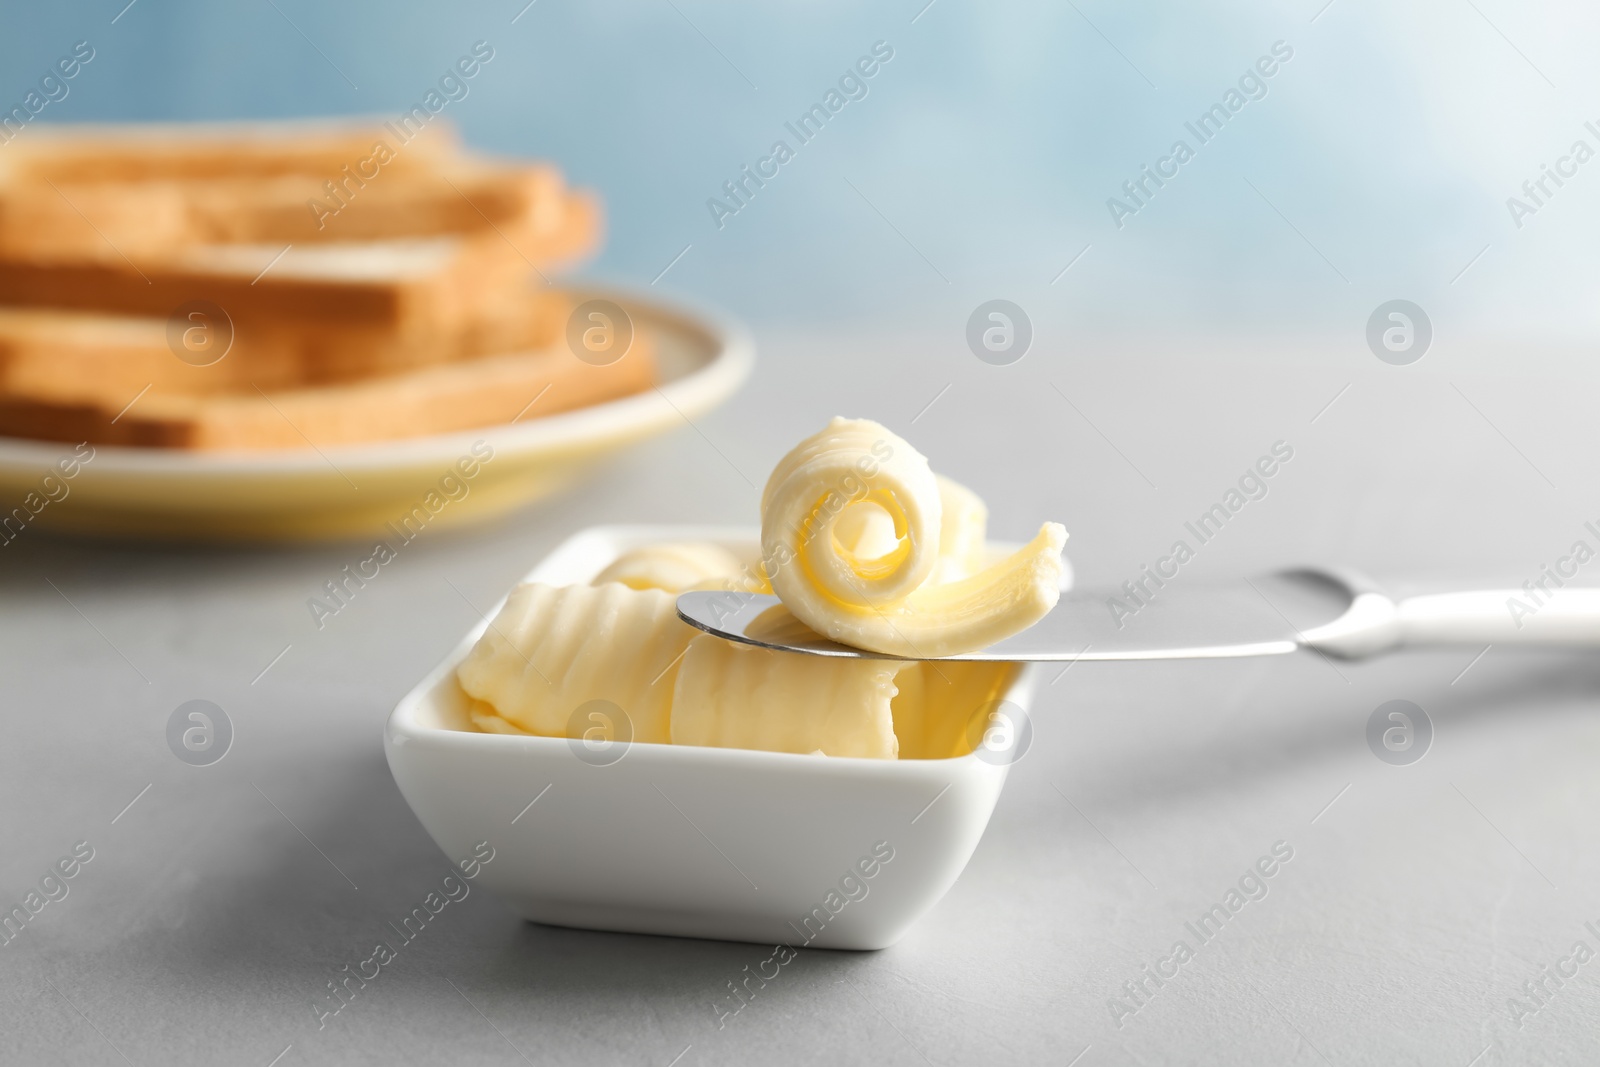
926	595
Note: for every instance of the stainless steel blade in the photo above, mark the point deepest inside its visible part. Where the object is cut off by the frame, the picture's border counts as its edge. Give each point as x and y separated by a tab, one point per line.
1261	616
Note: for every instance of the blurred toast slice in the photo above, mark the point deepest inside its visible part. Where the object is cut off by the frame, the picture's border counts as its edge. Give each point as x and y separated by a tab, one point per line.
427	259
470	393
102	358
421	283
337	311
142	192
67	354
185	151
147	222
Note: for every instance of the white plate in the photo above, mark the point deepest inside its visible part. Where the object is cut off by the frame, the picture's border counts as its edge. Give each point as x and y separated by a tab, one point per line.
358	490
698	842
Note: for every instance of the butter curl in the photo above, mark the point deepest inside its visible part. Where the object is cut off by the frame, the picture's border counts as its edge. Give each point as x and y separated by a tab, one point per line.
912	598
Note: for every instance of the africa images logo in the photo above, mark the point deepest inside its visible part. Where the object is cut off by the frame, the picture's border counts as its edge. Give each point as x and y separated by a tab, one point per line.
1252	86
852	85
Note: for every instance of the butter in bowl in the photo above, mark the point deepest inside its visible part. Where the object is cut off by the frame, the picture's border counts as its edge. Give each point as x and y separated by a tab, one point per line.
634	774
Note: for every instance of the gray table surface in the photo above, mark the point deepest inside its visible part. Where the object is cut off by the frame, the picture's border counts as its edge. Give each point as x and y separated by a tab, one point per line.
1419	898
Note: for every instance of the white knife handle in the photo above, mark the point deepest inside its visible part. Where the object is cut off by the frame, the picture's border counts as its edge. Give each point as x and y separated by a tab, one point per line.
1502	616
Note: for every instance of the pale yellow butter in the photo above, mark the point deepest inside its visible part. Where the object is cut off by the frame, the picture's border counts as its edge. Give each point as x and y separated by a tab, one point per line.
907	600
675	567
551	650
865	544
738	696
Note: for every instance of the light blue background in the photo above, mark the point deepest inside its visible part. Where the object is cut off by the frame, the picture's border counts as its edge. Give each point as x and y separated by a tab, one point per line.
990	143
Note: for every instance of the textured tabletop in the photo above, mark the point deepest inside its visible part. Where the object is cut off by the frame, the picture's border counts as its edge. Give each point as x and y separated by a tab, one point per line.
1435	911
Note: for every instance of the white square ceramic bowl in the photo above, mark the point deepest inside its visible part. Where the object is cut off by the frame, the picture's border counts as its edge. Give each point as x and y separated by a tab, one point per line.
694	842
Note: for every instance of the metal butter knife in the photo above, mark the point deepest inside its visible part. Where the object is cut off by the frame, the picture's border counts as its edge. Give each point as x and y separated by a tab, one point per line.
1332	612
